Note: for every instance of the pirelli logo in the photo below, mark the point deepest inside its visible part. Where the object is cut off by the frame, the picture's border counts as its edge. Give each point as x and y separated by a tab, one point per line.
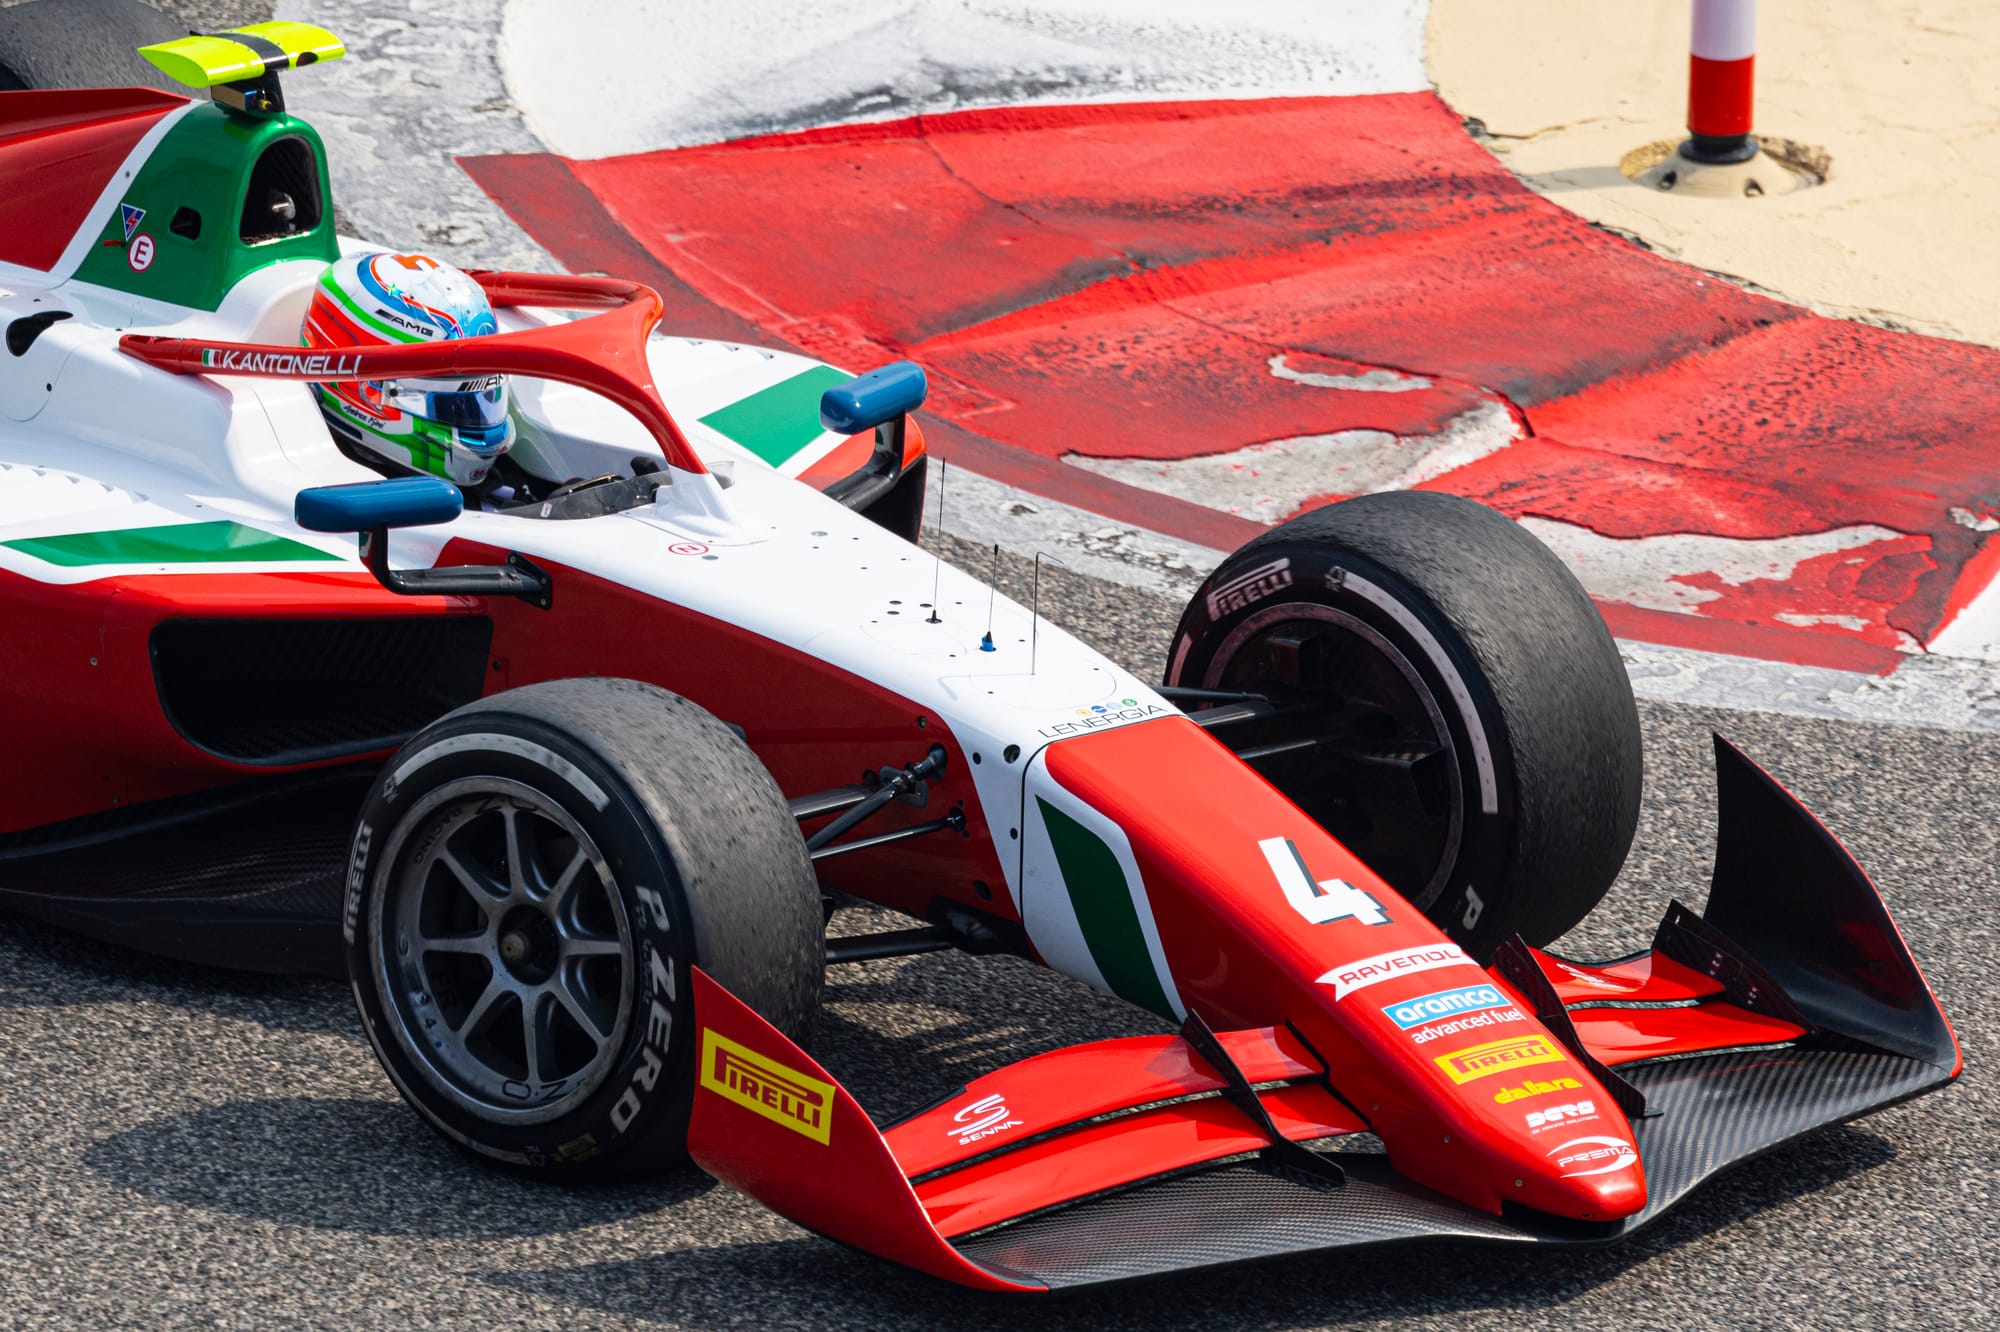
737	1073
1478	1061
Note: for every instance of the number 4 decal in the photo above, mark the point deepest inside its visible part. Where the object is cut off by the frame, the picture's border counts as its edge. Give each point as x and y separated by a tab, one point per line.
1329	899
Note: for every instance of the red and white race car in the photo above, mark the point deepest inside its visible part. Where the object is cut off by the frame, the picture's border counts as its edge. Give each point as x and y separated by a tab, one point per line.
570	788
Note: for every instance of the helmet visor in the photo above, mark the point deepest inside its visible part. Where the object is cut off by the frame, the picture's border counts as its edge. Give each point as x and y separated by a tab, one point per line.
462	404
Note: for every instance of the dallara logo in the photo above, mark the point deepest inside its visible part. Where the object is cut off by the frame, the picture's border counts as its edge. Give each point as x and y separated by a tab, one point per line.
783	1096
1478	1061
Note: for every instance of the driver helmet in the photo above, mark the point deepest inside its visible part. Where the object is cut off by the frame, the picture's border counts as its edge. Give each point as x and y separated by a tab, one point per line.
453	428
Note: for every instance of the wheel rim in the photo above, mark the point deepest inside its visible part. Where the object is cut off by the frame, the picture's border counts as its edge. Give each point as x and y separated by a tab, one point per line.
1362	744
503	951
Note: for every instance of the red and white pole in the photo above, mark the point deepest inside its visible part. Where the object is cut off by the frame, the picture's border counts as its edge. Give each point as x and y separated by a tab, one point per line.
1721	81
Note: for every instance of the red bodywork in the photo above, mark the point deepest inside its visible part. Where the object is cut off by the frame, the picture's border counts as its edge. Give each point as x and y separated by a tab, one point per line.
58	150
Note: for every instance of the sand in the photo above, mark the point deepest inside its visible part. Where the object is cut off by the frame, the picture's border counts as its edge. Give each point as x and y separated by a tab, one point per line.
1902	98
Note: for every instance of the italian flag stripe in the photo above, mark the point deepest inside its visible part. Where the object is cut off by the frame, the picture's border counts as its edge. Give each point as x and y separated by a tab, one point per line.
220	542
776	422
1105	911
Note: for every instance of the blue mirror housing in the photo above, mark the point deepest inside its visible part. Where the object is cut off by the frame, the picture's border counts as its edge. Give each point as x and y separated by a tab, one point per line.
364	506
873	399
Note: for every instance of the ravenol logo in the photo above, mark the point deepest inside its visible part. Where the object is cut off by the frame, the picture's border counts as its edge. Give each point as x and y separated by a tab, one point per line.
1444	1004
1478	1061
782	1095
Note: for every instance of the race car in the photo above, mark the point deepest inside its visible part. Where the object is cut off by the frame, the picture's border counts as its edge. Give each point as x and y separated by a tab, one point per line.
566	758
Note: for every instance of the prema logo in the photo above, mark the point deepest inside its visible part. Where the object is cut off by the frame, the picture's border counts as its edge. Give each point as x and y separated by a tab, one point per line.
1479	1061
1593	1156
982	1119
782	1095
1353	976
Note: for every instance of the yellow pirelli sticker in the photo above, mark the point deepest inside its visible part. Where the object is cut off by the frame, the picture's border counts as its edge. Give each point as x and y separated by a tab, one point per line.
782	1095
1478	1061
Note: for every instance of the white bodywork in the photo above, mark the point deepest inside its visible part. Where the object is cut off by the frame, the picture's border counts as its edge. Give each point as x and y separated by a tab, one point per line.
94	440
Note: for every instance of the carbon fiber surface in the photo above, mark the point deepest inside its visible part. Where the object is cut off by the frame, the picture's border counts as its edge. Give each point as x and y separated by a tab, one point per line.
1713	1112
252	882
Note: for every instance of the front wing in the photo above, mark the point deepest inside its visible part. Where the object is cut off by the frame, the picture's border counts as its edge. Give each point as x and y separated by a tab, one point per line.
1791	1004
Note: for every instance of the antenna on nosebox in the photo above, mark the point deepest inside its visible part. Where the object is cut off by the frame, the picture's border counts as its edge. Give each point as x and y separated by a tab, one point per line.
992	586
937	573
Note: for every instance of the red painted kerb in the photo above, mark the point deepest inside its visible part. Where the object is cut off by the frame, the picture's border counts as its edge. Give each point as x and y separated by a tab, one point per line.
1115	281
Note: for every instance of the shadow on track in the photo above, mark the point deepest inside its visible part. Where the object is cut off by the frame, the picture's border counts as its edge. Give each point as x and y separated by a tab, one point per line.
43	966
366	1166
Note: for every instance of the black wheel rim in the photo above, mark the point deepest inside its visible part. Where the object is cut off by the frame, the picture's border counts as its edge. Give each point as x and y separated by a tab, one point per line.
504	952
1359	741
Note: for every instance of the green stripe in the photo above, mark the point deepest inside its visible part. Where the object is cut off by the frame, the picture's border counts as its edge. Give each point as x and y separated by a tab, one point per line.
396	334
1105	911
220	542
777	422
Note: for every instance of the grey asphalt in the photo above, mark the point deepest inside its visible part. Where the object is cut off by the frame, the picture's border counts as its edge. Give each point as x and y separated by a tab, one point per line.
185	1147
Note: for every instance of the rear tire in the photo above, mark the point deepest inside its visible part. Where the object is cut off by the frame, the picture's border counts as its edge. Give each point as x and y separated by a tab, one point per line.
531	878
1411	623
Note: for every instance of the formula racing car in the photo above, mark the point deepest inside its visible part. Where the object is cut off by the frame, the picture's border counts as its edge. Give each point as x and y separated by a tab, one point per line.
566	754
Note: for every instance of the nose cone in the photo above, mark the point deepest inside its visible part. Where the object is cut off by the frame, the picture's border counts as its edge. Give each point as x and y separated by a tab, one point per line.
1588	1177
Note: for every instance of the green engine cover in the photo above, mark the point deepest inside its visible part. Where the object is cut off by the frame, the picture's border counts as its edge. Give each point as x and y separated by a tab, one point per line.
200	232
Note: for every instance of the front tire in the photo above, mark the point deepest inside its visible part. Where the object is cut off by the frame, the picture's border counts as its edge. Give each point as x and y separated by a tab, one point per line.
1456	712
530	880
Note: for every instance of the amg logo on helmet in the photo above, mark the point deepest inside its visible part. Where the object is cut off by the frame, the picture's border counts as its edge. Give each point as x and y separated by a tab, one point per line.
1445	1003
1479	1061
782	1095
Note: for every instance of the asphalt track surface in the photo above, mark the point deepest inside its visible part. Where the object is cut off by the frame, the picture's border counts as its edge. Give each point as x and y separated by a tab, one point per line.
186	1147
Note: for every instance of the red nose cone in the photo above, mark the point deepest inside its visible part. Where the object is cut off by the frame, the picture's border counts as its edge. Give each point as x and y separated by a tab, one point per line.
1589	1177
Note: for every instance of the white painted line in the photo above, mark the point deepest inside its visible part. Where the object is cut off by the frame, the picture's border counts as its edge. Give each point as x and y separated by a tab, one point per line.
702	71
1270	481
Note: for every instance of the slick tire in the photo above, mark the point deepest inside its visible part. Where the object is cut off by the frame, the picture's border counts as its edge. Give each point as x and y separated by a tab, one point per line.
531	879
1472	731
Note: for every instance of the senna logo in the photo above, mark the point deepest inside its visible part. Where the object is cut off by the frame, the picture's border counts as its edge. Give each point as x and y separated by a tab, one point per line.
982	1119
782	1095
1478	1061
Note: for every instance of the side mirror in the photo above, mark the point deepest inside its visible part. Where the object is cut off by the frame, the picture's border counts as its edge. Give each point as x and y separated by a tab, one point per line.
367	506
874	399
371	508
